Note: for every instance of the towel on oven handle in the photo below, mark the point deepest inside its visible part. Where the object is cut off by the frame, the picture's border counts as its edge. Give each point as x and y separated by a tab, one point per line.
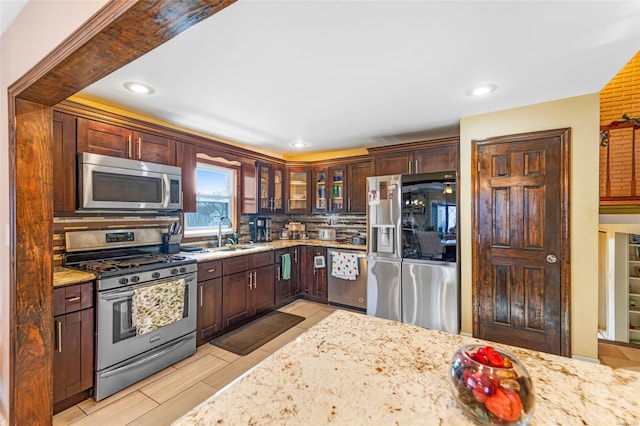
344	265
157	305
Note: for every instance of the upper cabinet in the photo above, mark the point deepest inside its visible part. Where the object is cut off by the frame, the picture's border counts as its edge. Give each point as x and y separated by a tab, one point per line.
298	190
341	188
64	160
117	141
270	187
436	155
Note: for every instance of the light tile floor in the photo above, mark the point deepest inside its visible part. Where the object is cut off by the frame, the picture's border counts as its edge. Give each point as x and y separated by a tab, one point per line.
167	395
172	392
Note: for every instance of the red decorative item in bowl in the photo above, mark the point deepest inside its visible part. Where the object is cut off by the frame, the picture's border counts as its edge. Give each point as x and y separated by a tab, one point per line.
492	386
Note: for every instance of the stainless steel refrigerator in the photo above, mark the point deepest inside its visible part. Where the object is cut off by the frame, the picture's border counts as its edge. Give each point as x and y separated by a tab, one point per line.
430	283
413	273
384	257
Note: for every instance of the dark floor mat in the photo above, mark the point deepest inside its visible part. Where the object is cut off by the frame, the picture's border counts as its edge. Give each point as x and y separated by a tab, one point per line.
255	334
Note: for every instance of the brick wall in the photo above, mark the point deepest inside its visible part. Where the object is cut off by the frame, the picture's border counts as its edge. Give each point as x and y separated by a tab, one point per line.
621	96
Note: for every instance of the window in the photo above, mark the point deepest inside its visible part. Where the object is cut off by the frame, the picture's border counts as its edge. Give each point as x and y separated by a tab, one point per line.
215	198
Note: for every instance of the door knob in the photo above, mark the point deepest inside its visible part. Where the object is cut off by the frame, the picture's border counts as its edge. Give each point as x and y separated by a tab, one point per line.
551	258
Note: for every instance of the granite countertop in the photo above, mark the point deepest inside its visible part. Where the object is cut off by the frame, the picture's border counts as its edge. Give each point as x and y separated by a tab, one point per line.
356	369
64	276
214	253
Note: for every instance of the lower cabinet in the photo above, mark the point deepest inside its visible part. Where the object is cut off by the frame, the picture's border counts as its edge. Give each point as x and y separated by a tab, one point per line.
287	290
247	287
313	273
209	300
73	365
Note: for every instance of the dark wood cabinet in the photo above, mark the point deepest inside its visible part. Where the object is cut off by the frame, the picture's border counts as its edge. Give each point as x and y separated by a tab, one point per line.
116	141
393	163
247	287
436	155
313	276
73	365
186	160
287	289
341	188
64	159
357	186
209	300
297	190
270	187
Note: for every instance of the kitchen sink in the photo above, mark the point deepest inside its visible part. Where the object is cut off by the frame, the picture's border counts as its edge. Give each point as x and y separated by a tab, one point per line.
233	248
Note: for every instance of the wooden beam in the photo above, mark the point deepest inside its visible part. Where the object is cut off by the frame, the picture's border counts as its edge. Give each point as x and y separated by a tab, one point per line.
119	33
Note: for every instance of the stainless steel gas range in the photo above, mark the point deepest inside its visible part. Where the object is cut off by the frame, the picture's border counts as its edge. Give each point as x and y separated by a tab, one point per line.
145	303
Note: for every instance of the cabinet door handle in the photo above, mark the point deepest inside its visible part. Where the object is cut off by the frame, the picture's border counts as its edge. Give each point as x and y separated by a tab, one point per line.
289	204
409	166
73	299
139	148
295	255
278	272
129	146
59	326
212	270
250	280
415	167
200	296
349	203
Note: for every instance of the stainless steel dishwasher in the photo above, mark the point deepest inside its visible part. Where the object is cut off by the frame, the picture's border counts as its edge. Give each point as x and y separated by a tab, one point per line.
351	293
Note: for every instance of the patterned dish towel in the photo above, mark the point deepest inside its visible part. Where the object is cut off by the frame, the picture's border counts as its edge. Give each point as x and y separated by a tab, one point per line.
157	305
344	266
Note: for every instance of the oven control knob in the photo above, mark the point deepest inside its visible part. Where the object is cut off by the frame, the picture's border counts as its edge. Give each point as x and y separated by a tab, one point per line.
123	280
135	279
174	271
155	275
183	269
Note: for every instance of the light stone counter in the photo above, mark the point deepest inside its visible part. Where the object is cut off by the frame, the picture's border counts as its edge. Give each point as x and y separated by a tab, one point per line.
354	369
224	252
65	276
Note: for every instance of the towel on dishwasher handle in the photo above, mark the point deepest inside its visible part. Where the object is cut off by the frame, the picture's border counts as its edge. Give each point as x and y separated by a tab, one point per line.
157	305
344	265
285	261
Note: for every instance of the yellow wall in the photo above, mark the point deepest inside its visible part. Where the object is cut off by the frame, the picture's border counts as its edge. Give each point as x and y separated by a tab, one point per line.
581	114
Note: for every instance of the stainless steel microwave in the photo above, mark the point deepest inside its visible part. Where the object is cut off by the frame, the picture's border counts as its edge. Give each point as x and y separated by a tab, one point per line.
111	183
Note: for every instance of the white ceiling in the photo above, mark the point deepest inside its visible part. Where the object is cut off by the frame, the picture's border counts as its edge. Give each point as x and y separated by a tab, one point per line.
343	74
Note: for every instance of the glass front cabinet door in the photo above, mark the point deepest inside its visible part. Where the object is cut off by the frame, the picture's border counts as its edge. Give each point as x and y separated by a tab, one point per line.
298	190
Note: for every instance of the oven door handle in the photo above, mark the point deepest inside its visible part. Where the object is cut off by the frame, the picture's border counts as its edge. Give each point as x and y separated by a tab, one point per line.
145	360
118	295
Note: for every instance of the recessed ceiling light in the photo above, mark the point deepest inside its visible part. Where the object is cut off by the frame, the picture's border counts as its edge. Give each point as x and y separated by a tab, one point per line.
482	90
299	144
140	88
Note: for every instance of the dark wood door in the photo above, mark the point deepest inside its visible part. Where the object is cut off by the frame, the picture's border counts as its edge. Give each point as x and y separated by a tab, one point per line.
357	186
436	159
283	288
73	354
521	245
263	289
393	163
106	139
313	279
209	309
154	148
235	288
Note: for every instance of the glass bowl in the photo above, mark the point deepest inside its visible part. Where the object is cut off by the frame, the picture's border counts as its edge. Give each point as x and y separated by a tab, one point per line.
492	386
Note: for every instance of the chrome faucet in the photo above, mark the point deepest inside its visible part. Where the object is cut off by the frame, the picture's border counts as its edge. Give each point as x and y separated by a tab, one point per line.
230	241
220	230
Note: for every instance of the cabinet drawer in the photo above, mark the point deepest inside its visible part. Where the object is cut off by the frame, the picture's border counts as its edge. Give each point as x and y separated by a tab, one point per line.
209	270
72	298
261	259
234	265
